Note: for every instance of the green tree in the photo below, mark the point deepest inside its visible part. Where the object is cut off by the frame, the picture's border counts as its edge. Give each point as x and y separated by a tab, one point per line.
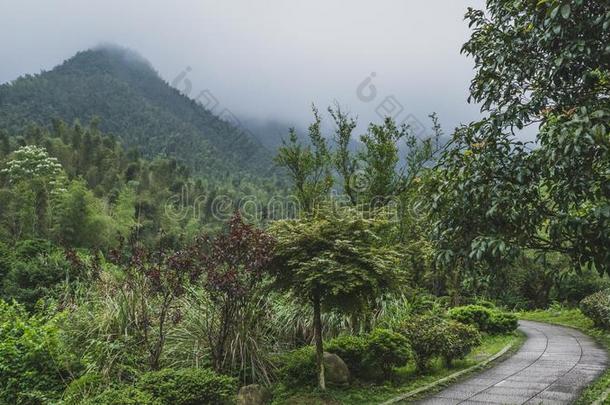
124	211
333	259
543	64
36	179
309	167
344	160
79	219
380	158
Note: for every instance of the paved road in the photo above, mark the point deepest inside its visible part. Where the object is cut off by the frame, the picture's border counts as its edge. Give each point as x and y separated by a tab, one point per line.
552	367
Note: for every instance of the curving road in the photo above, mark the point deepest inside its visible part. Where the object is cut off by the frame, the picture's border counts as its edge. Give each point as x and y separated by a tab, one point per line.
552	367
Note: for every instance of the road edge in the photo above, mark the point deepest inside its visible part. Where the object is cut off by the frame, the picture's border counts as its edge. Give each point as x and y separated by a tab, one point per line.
452	377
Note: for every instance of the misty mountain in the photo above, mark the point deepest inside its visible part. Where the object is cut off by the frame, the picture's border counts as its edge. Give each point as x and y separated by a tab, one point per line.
121	90
271	132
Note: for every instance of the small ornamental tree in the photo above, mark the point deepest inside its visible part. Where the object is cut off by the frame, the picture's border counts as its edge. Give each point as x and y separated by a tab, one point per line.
333	260
159	277
232	264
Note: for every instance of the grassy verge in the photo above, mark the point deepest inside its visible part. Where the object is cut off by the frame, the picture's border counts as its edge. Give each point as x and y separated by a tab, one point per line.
406	379
575	319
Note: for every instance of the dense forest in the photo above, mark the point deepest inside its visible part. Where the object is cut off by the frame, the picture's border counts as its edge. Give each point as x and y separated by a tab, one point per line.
152	253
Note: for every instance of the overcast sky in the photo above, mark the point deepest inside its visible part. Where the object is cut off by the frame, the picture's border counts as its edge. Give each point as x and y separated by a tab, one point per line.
268	58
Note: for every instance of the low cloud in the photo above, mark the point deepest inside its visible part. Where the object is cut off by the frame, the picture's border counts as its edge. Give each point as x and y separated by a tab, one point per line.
268	59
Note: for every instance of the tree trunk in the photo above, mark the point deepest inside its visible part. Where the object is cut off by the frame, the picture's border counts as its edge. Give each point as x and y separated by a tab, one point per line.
355	323
317	325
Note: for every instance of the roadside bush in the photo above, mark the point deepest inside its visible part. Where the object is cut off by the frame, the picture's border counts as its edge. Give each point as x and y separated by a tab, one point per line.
370	356
597	308
123	395
458	340
352	350
501	322
188	386
393	310
425	336
485	319
476	315
386	350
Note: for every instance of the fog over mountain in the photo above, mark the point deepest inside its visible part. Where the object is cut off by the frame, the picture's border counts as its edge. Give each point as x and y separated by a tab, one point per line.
268	59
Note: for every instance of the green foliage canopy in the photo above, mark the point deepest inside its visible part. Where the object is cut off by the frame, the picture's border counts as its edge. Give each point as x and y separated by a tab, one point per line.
544	63
338	256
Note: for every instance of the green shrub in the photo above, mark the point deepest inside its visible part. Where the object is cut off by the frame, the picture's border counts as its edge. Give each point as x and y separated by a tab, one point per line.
424	334
476	315
32	278
33	365
188	386
458	340
485	303
485	319
123	395
85	387
352	350
298	367
29	248
501	322
374	355
597	308
103	330
386	350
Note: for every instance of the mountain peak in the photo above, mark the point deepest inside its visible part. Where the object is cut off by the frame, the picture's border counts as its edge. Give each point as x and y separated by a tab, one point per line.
122	88
109	58
119	52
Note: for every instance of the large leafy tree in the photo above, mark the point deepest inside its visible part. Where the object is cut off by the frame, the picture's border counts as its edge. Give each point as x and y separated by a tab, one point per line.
543	64
333	259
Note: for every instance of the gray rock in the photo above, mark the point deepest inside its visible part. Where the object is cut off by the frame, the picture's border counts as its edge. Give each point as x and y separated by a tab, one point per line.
253	394
335	369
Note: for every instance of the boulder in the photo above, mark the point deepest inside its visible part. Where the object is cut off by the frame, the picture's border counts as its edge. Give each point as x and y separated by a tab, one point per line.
335	369
253	394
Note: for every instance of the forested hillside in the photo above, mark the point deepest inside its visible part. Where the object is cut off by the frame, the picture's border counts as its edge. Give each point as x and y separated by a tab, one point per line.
133	102
79	187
